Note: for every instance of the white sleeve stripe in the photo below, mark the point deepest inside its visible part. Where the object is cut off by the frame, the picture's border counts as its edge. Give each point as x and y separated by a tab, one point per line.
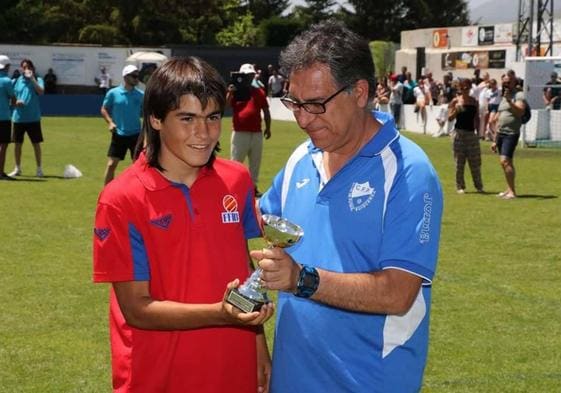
300	152
389	162
426	280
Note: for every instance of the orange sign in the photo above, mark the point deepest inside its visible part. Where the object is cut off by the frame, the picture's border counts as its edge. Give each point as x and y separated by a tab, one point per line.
440	38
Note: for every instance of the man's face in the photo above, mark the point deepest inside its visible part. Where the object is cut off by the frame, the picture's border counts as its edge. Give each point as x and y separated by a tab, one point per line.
333	130
188	135
132	78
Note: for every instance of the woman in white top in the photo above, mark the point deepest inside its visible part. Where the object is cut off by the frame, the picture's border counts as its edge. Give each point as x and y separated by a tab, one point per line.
493	96
422	98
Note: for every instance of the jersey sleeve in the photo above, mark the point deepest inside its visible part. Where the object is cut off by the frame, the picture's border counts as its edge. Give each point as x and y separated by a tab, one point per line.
271	201
108	101
411	230
261	98
118	248
251	226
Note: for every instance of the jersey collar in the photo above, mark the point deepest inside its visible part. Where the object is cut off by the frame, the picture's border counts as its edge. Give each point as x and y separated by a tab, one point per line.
152	179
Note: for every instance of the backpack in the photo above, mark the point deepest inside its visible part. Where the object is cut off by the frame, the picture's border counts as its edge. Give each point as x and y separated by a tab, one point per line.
527	113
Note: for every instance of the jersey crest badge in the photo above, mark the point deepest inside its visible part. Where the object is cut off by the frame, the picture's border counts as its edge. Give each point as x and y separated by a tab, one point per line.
230	215
102	233
162	222
360	196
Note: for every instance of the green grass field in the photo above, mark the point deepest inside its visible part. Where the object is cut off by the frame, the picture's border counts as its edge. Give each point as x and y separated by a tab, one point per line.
496	314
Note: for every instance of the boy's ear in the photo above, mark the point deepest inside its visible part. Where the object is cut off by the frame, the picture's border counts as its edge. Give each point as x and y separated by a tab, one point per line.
155	123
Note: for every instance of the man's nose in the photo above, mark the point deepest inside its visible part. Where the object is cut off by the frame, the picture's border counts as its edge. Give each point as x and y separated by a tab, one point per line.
303	118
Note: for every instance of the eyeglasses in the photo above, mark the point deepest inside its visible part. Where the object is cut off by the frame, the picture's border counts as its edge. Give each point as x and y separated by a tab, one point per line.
135	76
315	108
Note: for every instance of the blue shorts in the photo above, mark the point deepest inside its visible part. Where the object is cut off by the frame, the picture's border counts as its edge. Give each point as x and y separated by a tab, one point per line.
506	144
493	108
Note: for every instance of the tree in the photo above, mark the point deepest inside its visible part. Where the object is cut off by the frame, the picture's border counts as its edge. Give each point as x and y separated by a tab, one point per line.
314	11
385	20
265	9
277	31
242	33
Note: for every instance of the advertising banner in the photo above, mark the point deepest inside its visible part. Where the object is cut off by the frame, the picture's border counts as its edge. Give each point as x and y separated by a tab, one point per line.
486	35
469	36
503	33
440	38
473	59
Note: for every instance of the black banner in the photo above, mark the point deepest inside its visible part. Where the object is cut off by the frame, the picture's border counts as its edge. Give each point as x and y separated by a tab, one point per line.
486	35
473	59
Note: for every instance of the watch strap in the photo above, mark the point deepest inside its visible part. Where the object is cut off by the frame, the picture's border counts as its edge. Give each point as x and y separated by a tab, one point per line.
308	282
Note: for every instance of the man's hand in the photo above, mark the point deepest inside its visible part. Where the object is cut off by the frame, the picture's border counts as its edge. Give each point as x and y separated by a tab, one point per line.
267	133
112	127
280	271
236	316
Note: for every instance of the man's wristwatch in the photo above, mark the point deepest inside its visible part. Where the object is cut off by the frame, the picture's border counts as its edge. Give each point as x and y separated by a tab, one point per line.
308	282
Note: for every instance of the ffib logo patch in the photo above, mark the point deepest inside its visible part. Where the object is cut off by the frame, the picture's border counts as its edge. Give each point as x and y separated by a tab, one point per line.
231	214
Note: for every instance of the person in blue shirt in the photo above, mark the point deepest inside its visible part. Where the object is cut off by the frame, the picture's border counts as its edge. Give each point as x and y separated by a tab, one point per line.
6	96
26	115
355	292
122	109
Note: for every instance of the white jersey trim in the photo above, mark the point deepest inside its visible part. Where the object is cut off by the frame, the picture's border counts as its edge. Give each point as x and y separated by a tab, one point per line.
389	162
400	328
296	156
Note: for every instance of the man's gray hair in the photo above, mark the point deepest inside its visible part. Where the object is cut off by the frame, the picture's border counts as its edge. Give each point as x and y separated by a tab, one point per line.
331	43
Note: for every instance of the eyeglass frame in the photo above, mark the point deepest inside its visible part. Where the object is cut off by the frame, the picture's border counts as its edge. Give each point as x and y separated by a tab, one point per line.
302	105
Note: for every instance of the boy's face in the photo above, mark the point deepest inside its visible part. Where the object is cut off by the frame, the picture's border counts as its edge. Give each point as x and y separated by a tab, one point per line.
188	136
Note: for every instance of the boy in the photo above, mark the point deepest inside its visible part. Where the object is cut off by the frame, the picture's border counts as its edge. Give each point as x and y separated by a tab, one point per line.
170	236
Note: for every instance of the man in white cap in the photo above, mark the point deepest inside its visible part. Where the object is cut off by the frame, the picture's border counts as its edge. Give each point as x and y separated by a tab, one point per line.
6	95
122	109
247	135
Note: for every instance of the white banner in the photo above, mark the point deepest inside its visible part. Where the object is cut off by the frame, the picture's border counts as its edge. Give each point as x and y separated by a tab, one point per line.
503	33
469	36
70	67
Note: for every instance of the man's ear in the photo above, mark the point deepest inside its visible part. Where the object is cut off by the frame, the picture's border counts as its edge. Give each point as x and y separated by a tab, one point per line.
155	123
361	92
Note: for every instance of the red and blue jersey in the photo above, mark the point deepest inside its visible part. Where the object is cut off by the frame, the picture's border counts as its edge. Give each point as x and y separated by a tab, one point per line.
188	242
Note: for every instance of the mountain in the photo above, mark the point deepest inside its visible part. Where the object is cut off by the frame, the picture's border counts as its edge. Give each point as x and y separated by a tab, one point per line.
499	11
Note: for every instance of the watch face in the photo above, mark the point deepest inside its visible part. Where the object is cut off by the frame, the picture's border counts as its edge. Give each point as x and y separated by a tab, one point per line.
308	281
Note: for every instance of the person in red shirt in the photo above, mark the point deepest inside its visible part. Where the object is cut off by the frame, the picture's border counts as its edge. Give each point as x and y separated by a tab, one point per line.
170	236
247	136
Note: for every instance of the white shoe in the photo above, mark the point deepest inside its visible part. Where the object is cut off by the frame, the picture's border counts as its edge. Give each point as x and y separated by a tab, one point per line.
39	172
460	191
15	172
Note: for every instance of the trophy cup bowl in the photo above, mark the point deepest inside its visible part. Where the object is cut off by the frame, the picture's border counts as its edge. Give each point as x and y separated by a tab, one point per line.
277	232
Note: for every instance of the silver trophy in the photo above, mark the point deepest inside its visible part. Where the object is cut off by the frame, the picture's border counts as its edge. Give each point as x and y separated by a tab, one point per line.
277	232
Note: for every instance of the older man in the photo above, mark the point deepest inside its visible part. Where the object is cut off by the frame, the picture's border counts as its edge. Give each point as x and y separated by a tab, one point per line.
355	292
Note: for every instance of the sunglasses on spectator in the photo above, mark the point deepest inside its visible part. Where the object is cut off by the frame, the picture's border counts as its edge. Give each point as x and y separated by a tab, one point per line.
315	108
135	76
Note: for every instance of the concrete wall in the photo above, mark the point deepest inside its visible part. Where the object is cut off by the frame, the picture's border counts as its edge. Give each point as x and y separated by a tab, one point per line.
464	38
73	65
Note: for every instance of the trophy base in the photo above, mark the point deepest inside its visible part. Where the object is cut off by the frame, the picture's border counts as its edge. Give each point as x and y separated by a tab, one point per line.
235	298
